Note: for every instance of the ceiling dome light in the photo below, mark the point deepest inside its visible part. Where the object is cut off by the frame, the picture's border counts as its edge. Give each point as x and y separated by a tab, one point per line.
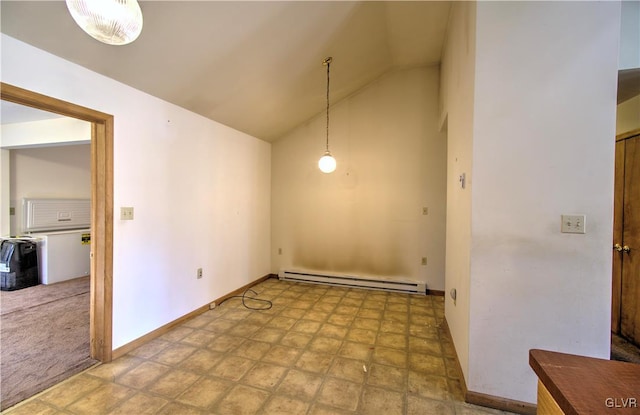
114	22
327	163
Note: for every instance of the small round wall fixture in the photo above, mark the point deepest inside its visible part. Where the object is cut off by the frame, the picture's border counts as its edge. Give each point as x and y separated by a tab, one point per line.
114	22
327	163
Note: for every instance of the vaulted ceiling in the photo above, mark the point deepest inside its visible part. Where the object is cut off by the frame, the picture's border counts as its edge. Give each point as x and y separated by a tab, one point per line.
254	66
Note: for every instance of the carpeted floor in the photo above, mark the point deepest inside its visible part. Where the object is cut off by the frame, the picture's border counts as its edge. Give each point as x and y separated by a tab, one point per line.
623	350
44	334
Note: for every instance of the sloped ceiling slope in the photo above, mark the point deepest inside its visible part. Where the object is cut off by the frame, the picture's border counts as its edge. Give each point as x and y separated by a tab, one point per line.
254	66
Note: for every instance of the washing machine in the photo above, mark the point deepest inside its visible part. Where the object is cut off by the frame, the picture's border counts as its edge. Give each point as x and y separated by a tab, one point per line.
61	229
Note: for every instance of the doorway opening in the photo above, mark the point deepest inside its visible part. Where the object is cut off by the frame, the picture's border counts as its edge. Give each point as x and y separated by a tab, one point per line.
101	208
625	299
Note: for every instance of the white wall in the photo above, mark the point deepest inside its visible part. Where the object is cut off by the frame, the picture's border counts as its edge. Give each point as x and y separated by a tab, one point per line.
61	172
5	218
629	35
628	115
544	122
57	131
456	103
50	132
366	217
200	191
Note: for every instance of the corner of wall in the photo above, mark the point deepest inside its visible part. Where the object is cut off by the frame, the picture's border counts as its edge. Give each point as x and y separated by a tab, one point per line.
628	115
457	106
5	218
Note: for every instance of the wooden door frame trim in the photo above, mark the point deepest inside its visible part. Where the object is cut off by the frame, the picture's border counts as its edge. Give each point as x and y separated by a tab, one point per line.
101	208
618	207
628	134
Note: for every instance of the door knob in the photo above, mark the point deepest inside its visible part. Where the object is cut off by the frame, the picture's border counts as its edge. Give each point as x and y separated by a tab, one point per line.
617	247
626	249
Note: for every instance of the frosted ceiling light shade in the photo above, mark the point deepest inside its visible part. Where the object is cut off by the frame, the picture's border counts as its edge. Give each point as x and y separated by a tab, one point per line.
114	22
327	163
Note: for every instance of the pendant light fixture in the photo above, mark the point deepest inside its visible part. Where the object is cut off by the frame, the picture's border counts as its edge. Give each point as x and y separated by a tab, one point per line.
327	163
114	22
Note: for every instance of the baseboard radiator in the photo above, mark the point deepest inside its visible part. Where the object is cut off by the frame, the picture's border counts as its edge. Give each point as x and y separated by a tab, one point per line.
368	282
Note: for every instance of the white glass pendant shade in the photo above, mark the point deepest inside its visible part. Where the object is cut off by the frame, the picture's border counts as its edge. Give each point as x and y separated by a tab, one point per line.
114	22
327	163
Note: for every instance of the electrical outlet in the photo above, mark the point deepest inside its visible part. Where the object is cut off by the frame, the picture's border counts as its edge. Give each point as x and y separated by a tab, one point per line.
126	213
199	273
573	223
425	210
424	260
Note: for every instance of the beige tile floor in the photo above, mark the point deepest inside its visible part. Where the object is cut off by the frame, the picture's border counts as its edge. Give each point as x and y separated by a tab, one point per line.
319	350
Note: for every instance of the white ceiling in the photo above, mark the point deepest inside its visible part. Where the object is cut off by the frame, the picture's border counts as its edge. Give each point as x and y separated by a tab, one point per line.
255	66
15	113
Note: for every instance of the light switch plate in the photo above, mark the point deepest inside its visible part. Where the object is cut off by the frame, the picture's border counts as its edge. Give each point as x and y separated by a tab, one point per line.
126	213
573	223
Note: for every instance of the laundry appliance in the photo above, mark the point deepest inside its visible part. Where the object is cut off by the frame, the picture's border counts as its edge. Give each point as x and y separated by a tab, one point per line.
61	228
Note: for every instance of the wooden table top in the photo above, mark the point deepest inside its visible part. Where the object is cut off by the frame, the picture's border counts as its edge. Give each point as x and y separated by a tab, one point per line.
585	385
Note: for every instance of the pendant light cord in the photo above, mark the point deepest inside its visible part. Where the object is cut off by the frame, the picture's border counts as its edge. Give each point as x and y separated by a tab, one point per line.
327	62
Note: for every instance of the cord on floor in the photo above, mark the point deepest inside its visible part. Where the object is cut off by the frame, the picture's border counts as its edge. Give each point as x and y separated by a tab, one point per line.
267	304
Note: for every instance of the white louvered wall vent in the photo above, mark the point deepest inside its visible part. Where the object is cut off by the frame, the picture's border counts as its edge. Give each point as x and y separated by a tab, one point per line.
56	214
